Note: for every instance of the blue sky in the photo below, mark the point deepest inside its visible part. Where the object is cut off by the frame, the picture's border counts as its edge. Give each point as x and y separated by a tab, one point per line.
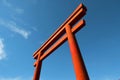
26	24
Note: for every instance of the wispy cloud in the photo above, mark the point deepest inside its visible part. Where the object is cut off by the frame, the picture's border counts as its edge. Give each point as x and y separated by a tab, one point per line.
5	2
2	52
19	10
15	78
108	78
13	8
34	29
111	78
11	25
35	1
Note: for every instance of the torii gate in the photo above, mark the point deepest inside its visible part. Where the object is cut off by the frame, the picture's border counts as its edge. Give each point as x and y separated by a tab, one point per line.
64	33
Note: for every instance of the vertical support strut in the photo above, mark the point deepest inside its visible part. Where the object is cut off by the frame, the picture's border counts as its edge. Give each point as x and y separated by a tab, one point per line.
79	67
38	68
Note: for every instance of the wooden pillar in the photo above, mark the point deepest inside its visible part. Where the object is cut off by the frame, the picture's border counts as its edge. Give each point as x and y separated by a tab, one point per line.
79	67
38	66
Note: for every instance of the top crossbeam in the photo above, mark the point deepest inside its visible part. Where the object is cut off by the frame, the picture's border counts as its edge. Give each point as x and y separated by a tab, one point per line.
74	17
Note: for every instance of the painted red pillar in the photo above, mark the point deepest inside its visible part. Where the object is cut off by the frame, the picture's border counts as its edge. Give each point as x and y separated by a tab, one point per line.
38	66
79	67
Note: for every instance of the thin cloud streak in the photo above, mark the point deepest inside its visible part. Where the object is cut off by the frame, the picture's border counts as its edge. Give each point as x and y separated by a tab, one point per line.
10	78
13	8
19	10
5	2
11	25
108	78
15	78
2	52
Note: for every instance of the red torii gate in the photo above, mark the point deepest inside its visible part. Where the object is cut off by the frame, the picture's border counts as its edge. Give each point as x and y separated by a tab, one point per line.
65	32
